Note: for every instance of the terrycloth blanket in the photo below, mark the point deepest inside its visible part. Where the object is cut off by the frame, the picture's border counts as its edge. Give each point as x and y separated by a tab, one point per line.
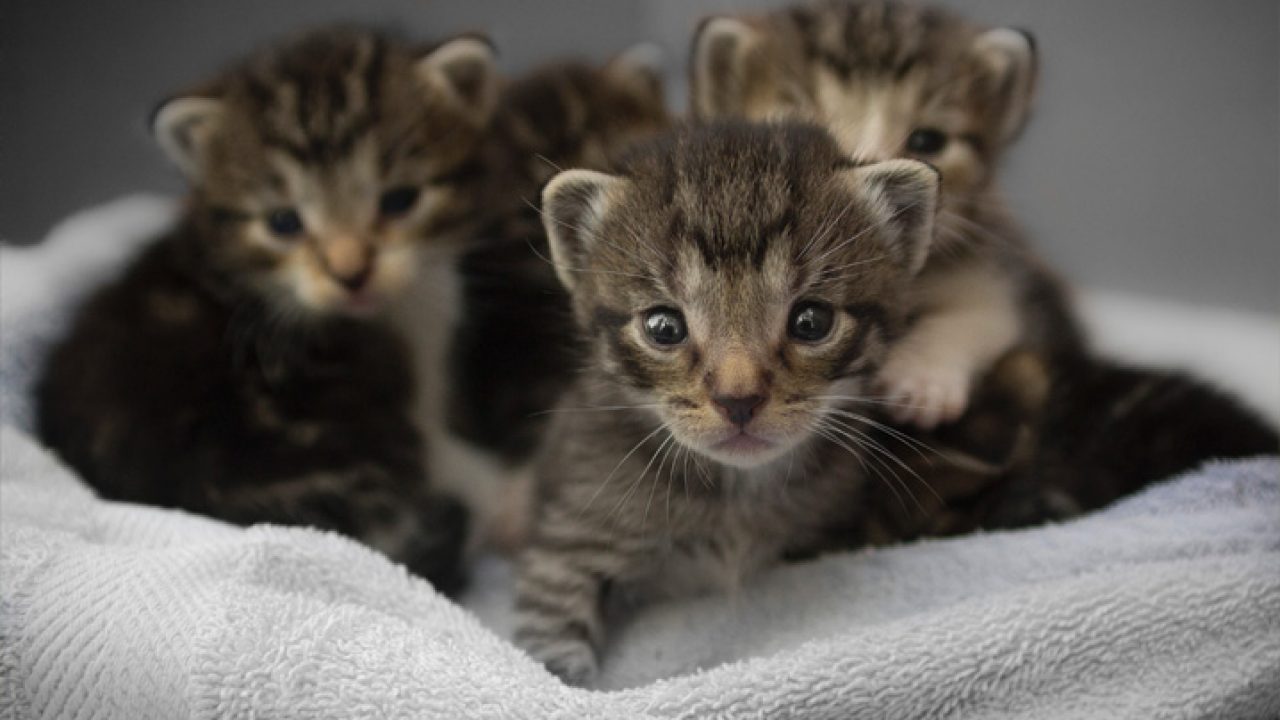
1164	605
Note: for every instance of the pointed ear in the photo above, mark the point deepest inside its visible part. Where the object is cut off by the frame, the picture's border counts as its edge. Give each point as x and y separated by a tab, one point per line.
465	71
720	69
639	69
573	205
908	192
184	127
1008	59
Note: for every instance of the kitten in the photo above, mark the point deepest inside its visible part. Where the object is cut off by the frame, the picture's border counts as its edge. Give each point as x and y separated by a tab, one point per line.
896	80
511	352
738	287
1045	441
240	367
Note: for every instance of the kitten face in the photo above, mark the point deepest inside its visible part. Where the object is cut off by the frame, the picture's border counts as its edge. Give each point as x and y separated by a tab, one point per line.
887	79
324	165
737	278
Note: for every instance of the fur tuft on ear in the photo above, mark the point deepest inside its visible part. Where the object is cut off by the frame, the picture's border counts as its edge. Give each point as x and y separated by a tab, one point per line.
573	204
908	190
183	127
639	68
464	69
1008	57
719	67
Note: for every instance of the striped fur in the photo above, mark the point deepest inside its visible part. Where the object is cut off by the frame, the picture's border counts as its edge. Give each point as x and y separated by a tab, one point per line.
877	73
643	483
240	371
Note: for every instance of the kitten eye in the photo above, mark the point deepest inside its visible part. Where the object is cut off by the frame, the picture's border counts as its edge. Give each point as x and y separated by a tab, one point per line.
810	321
285	222
926	141
665	326
397	200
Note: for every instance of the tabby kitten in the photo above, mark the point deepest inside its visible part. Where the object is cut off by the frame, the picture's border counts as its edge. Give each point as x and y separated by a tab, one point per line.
240	368
512	351
895	80
738	286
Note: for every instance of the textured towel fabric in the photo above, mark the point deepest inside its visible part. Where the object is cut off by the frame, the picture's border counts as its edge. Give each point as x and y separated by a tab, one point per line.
1165	605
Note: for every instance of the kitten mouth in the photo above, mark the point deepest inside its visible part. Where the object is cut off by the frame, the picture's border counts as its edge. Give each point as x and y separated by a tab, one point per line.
743	443
360	304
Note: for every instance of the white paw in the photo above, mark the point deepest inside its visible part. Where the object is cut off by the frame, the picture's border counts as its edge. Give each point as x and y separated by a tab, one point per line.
922	390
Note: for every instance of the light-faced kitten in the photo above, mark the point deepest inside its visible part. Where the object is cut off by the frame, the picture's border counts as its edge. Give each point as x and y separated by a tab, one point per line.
512	350
895	80
240	367
738	287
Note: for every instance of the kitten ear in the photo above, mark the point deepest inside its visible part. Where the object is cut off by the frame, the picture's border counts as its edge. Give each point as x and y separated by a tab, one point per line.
908	190
183	127
465	70
573	204
1007	57
639	69
719	67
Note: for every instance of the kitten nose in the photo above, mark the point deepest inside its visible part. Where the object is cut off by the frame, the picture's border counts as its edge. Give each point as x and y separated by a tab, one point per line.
349	261
738	410
355	280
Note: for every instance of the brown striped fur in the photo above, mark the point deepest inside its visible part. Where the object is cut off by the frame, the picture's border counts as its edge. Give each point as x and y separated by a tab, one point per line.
241	372
650	478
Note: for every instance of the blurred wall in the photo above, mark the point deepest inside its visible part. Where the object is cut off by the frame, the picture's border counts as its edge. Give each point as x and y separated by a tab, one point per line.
1153	164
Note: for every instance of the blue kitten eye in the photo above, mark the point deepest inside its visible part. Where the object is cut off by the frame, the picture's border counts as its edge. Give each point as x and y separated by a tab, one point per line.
398	200
926	141
285	222
811	321
665	326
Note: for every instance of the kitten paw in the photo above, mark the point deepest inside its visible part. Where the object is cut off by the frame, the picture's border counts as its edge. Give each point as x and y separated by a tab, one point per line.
923	391
573	662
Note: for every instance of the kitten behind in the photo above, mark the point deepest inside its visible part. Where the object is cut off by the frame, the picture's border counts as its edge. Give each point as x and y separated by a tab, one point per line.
240	368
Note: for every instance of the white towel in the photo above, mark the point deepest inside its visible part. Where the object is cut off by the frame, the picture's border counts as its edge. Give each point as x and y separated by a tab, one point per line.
1165	605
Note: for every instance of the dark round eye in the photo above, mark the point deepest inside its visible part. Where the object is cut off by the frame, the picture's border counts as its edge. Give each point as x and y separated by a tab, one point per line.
665	326
397	200
810	321
926	141
284	222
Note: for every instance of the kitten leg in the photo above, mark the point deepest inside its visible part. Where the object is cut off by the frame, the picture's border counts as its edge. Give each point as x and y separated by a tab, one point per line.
559	595
970	320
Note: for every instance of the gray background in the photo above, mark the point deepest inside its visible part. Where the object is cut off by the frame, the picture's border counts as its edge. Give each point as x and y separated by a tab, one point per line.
1153	164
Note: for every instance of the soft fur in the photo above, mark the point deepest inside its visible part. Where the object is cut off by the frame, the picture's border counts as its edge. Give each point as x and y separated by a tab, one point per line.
239	368
649	469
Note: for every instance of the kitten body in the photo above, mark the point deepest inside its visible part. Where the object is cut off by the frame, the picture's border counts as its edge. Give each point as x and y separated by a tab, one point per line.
242	366
737	286
503	351
890	79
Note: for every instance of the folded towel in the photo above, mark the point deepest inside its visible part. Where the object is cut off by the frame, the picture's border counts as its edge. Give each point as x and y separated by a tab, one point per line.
1164	605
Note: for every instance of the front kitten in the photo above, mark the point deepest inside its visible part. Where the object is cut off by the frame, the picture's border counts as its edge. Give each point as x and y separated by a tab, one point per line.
895	80
738	286
240	368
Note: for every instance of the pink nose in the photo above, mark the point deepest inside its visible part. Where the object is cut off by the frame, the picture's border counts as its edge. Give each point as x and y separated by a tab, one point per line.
738	410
